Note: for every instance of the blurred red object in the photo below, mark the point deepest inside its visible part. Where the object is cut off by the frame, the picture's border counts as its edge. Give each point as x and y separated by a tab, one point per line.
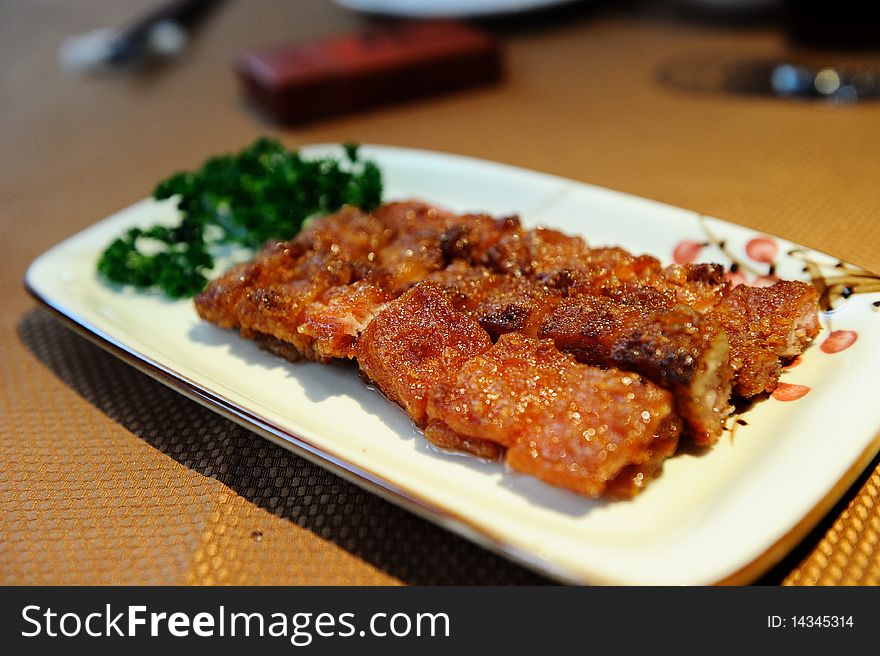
379	65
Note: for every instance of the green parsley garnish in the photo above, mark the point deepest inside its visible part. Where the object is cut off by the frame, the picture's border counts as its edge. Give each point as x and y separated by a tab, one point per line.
264	192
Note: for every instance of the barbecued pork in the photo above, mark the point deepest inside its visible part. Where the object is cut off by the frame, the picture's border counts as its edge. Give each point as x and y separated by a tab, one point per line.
418	295
268	296
566	423
316	293
416	343
676	348
766	325
335	321
640	330
500	303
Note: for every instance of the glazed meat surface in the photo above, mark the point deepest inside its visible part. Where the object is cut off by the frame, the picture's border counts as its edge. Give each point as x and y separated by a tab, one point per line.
317	292
676	348
415	343
640	330
334	322
567	423
578	365
500	303
767	325
268	297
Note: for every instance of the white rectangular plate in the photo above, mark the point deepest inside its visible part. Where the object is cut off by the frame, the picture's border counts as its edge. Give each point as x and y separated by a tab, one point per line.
721	516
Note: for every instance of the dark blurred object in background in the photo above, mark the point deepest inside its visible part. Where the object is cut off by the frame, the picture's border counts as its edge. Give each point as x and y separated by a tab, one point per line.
833	51
159	36
381	64
830	52
832	24
729	11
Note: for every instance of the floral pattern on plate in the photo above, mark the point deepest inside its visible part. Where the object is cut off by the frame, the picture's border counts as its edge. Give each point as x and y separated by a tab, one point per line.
758	269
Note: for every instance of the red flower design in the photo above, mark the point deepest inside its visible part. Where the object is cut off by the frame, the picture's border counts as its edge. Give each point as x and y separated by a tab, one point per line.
762	249
839	340
686	251
789	392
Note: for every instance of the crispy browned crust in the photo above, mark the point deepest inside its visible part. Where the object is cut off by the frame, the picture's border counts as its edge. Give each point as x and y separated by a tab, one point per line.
418	295
415	343
334	322
269	296
500	303
277	347
443	437
319	291
632	479
676	348
637	328
766	325
566	423
533	252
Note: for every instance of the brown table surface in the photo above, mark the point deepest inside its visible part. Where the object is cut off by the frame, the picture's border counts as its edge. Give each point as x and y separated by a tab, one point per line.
109	477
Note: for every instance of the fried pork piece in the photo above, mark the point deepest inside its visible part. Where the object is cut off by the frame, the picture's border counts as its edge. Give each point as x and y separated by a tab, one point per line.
426	239
617	274
675	348
307	298
640	330
443	437
418	340
500	303
569	265
268	296
534	252
764	325
335	321
569	424
632	478
699	286
414	250
431	236
475	238
217	303
317	292
349	234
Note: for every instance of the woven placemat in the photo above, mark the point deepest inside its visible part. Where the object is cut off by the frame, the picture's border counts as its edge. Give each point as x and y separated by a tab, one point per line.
848	552
107	476
171	492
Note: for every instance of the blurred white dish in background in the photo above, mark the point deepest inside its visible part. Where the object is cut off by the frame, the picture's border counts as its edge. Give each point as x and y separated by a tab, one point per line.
731	5
448	8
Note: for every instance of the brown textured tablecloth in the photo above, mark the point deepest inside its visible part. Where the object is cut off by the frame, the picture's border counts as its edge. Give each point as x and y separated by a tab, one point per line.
106	476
